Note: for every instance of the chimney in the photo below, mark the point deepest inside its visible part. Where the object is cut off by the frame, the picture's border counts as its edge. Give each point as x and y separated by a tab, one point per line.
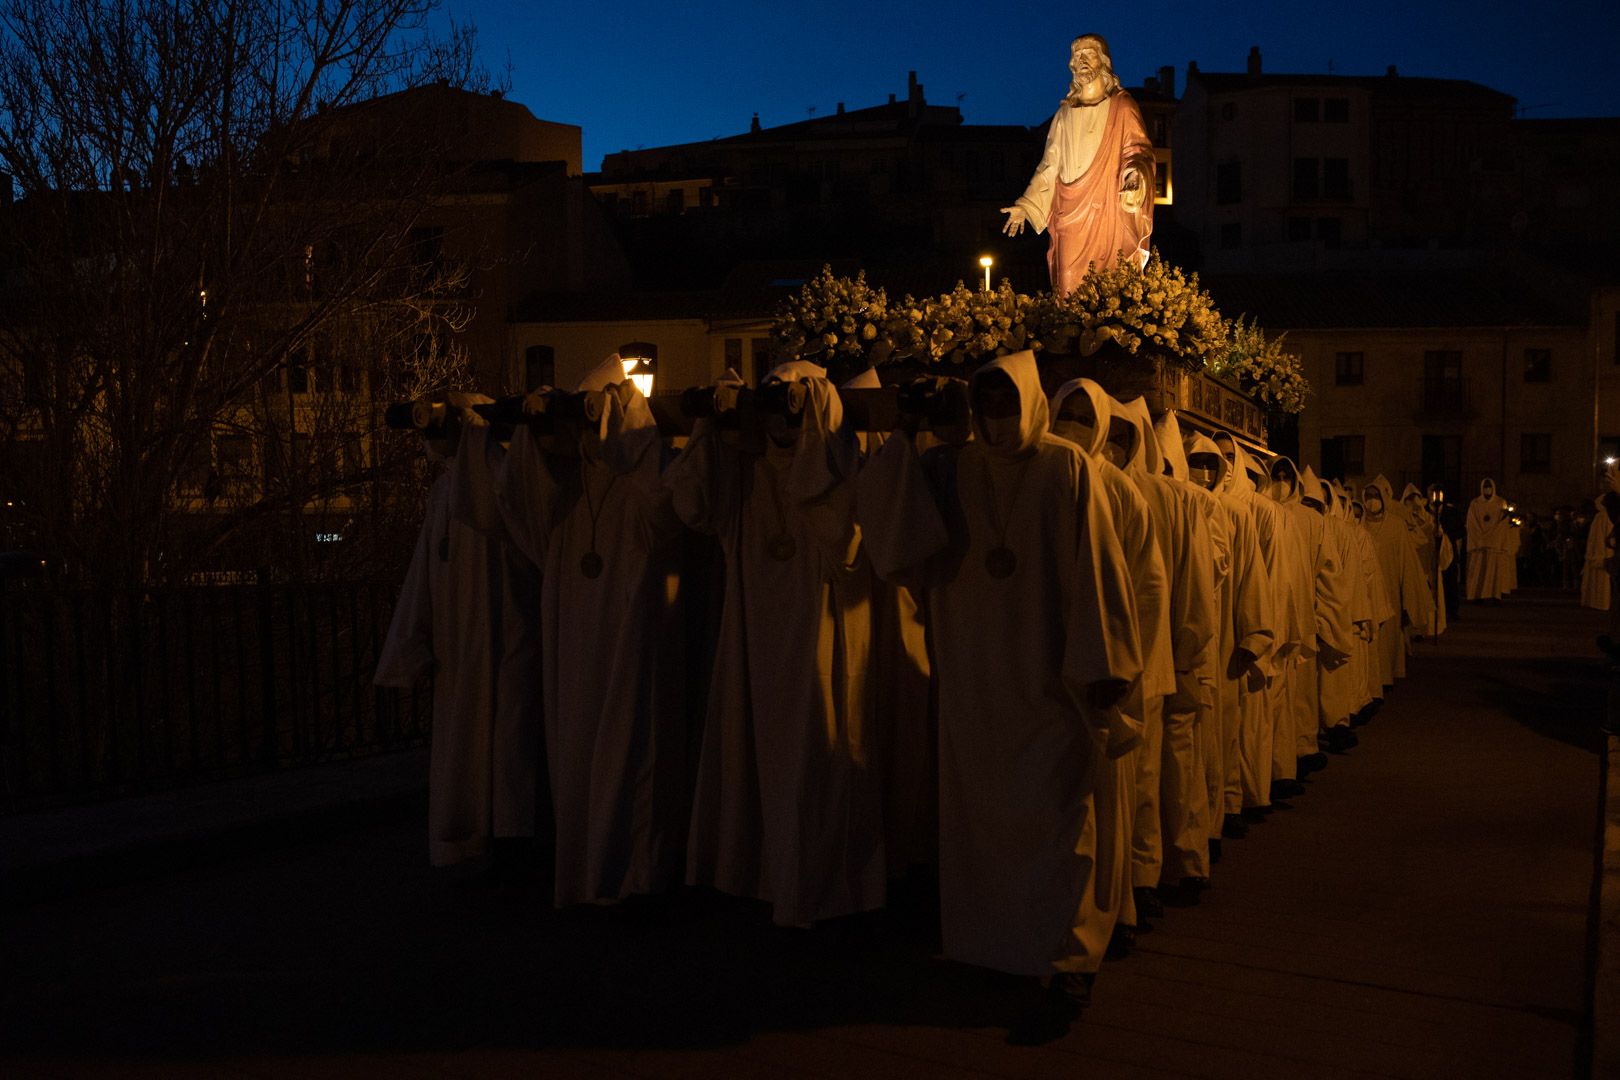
1167	80
753	128
1254	61
1392	73
891	99
840	108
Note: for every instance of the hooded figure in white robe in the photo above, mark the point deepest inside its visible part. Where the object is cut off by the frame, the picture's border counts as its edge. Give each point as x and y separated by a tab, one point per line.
1330	636
1260	706
1434	562
587	508
1208	803
1490	543
1406	587
1341	689
1034	637
1385	613
1083	413
447	623
1595	574
904	733
1250	640
1171	805
788	806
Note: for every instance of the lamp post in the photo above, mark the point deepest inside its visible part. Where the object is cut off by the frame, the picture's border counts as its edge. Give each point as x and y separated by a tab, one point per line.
1437	503
987	262
640	361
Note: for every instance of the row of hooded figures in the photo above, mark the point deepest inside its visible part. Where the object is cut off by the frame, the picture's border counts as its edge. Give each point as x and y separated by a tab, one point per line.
1059	658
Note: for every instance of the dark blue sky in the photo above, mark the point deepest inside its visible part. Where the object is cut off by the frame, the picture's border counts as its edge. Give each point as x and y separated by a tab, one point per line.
642	73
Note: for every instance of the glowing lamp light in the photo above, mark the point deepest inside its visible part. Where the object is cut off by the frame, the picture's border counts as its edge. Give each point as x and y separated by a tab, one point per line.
987	262
1611	460
640	362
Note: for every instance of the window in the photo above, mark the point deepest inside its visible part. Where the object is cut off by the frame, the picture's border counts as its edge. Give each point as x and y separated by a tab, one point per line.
1158	131
1231	235
1229	183
1306	110
734	354
1299	229
1442	462
539	367
762	357
1330	230
1538	365
1535	453
1335	178
1349	368
1161	181
1306	183
1336	110
1344	456
1442	381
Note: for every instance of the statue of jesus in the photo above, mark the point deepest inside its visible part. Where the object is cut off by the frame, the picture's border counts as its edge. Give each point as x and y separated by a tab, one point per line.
1094	186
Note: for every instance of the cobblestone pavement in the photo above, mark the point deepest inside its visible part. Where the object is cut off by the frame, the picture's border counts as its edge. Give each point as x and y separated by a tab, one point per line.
1420	912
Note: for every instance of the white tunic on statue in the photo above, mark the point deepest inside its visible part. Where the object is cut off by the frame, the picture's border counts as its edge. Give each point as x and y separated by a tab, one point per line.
1019	744
787	807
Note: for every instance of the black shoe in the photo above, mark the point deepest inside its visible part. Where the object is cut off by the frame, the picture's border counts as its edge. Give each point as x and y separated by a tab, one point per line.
1256	815
1147	904
1215	850
1121	943
1185	893
1285	789
1310	763
1233	828
1341	740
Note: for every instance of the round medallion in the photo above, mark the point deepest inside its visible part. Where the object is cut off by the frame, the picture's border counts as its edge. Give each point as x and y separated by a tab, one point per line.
590	564
781	548
1001	562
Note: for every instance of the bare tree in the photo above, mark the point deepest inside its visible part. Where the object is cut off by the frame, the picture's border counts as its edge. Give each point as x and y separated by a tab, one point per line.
220	265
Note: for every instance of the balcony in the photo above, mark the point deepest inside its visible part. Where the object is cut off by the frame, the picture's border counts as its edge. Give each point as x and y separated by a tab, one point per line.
1443	398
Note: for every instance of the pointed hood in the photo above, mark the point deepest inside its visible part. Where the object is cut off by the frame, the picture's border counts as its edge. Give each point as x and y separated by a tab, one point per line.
1310	487
1101	404
1146	456
1487	489
866	380
1199	443
626	431
1238	480
1032	409
1168	430
825	452
1284	486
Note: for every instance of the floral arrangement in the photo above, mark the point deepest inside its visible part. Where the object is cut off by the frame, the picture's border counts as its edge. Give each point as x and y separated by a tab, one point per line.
1155	308
832	316
1260	367
972	324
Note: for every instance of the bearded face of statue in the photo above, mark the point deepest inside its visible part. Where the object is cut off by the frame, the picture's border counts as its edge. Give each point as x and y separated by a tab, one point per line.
1092	71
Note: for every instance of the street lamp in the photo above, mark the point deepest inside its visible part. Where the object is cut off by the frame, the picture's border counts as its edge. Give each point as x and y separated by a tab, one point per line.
987	262
640	360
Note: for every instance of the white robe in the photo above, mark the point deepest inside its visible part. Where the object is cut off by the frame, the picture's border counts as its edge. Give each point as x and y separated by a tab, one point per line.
1424	533
1595	574
787	807
1171	839
1135	775
905	735
1407	589
1342	689
1015	659
611	646
1251	627
447	624
1489	546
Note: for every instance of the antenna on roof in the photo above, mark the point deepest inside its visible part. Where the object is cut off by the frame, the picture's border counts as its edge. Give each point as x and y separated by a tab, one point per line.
811	111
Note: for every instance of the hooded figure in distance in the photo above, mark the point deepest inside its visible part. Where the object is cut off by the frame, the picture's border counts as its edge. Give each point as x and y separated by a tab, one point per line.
1490	545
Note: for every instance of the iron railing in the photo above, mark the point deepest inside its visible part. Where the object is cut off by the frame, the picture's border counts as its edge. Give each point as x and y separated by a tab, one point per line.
110	692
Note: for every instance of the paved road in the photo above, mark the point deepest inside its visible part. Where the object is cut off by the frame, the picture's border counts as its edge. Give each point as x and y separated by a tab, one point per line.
1421	912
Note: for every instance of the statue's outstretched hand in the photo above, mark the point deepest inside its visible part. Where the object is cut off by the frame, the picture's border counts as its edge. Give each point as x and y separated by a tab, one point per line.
1015	220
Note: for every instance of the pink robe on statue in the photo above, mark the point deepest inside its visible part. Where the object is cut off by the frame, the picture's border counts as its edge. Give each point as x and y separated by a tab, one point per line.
1083	214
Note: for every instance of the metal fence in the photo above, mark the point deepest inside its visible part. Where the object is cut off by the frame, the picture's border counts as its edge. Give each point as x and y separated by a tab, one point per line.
110	692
